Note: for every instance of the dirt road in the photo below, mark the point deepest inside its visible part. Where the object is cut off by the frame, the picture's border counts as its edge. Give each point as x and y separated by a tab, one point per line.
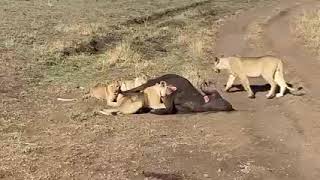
289	124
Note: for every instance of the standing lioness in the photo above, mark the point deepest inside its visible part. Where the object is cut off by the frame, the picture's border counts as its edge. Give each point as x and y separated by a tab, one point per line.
269	67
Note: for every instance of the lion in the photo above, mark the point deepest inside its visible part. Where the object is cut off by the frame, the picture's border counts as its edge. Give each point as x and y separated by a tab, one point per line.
269	67
107	92
101	91
130	84
150	98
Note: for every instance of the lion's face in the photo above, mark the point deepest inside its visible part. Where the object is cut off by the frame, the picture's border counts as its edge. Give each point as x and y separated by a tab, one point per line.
113	90
166	89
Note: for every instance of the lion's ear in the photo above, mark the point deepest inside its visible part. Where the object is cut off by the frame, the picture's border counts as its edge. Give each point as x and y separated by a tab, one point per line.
117	83
216	60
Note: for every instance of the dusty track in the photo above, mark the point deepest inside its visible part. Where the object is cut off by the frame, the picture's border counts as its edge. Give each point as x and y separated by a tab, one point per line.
290	124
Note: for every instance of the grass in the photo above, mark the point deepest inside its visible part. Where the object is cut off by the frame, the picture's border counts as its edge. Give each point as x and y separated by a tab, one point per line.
44	139
121	55
139	47
151	51
307	28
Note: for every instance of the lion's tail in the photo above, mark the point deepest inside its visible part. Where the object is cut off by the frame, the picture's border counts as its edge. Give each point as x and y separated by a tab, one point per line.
279	73
109	112
296	91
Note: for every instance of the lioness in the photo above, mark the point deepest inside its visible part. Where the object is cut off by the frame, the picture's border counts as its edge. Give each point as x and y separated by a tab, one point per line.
269	67
108	92
150	98
130	84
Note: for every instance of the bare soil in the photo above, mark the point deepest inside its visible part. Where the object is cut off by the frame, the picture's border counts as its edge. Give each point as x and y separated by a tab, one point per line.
42	138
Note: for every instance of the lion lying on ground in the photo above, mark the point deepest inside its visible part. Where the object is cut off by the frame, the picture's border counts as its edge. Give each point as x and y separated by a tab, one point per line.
107	92
130	84
269	67
150	98
110	91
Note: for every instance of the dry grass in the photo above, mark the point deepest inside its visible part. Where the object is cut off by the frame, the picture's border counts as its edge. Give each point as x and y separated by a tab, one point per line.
80	29
197	44
121	55
194	41
192	73
196	47
45	139
194	44
307	27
